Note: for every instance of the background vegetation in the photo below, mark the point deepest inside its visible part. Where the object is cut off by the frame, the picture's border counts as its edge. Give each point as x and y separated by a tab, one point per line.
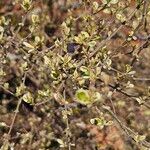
74	74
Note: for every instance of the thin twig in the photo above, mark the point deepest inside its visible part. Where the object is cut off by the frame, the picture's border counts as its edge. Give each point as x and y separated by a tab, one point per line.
17	110
67	124
8	91
127	130
101	44
128	95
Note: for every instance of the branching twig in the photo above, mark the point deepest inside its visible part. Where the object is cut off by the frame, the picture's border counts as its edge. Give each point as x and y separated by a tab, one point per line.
127	130
16	111
101	44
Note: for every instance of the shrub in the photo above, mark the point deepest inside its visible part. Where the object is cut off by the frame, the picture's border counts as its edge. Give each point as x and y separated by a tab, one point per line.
68	67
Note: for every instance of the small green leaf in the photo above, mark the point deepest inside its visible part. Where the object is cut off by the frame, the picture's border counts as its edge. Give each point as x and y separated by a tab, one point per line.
28	98
28	45
92	43
65	28
35	19
20	90
138	138
83	97
26	4
85	71
85	34
99	122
